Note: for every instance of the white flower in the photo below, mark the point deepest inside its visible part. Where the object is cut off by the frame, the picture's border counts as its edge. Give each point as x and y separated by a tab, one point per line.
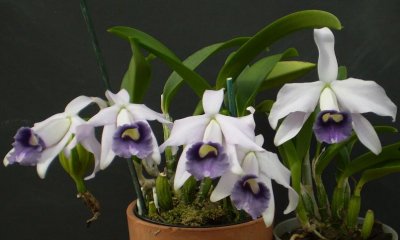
297	101
129	120
265	166
52	136
211	127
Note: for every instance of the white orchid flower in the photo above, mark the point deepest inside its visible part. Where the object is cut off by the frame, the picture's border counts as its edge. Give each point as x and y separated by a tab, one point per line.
297	101
252	191
212	136
40	144
126	131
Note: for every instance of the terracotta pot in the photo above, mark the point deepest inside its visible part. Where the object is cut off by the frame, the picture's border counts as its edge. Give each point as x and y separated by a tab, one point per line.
143	230
291	224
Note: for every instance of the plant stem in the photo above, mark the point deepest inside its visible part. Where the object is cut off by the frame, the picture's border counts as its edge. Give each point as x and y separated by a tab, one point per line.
170	158
231	97
136	185
95	44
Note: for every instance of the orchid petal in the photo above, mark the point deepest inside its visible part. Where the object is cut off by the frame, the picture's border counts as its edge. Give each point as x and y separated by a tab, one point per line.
213	133
142	112
327	63
181	175
121	98
45	122
328	101
295	97
5	160
237	132
107	154
250	164
269	213
124	117
224	186
54	131
274	169
79	103
49	154
259	140
212	101
156	156
186	131
249	119
290	127
92	145
359	96
233	159
105	116
366	133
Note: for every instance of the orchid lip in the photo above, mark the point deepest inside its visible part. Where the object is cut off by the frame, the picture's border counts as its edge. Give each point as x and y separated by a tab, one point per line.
332	126
28	147
206	160
133	140
251	195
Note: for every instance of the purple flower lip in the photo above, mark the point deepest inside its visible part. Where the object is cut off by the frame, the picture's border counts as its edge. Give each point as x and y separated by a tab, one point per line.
133	140
28	147
332	126
206	160
250	195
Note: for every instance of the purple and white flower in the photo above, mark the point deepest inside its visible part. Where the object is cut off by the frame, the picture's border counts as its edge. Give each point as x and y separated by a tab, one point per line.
211	127
40	144
206	160
296	101
263	167
250	195
126	132
332	126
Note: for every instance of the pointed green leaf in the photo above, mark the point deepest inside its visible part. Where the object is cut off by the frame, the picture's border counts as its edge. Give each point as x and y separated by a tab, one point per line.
285	72
194	80
137	78
192	62
334	149
249	81
303	138
270	34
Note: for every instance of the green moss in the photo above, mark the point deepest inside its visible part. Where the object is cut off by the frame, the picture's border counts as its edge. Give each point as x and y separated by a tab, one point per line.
197	214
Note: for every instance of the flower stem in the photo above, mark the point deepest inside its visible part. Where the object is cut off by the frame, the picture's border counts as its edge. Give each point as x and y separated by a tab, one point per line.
95	44
136	185
231	97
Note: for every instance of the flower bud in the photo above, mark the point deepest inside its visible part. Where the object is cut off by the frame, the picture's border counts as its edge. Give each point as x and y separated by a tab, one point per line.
163	190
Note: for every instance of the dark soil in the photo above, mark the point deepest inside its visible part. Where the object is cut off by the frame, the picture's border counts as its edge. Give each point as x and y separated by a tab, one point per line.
377	234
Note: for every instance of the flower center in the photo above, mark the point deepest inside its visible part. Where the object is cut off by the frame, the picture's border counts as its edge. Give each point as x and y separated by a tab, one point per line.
132	133
253	184
206	150
336	117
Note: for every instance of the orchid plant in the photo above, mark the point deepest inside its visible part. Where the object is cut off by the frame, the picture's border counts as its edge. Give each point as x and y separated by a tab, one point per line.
215	166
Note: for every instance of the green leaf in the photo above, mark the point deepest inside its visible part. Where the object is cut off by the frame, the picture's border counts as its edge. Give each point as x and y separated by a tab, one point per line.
286	71
289	153
249	81
265	106
270	34
368	160
194	80
137	78
174	82
342	73
334	149
376	173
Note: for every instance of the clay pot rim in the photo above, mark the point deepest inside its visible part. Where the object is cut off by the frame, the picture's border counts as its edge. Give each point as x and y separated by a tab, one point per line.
131	215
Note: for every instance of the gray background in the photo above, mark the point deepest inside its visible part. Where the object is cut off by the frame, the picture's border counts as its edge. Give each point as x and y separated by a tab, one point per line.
46	60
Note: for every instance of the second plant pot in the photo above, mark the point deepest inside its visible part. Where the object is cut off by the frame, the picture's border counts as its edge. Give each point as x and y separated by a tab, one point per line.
140	229
292	224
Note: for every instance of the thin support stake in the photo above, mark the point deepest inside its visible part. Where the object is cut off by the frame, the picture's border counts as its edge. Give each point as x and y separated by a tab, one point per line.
136	185
231	97
95	44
